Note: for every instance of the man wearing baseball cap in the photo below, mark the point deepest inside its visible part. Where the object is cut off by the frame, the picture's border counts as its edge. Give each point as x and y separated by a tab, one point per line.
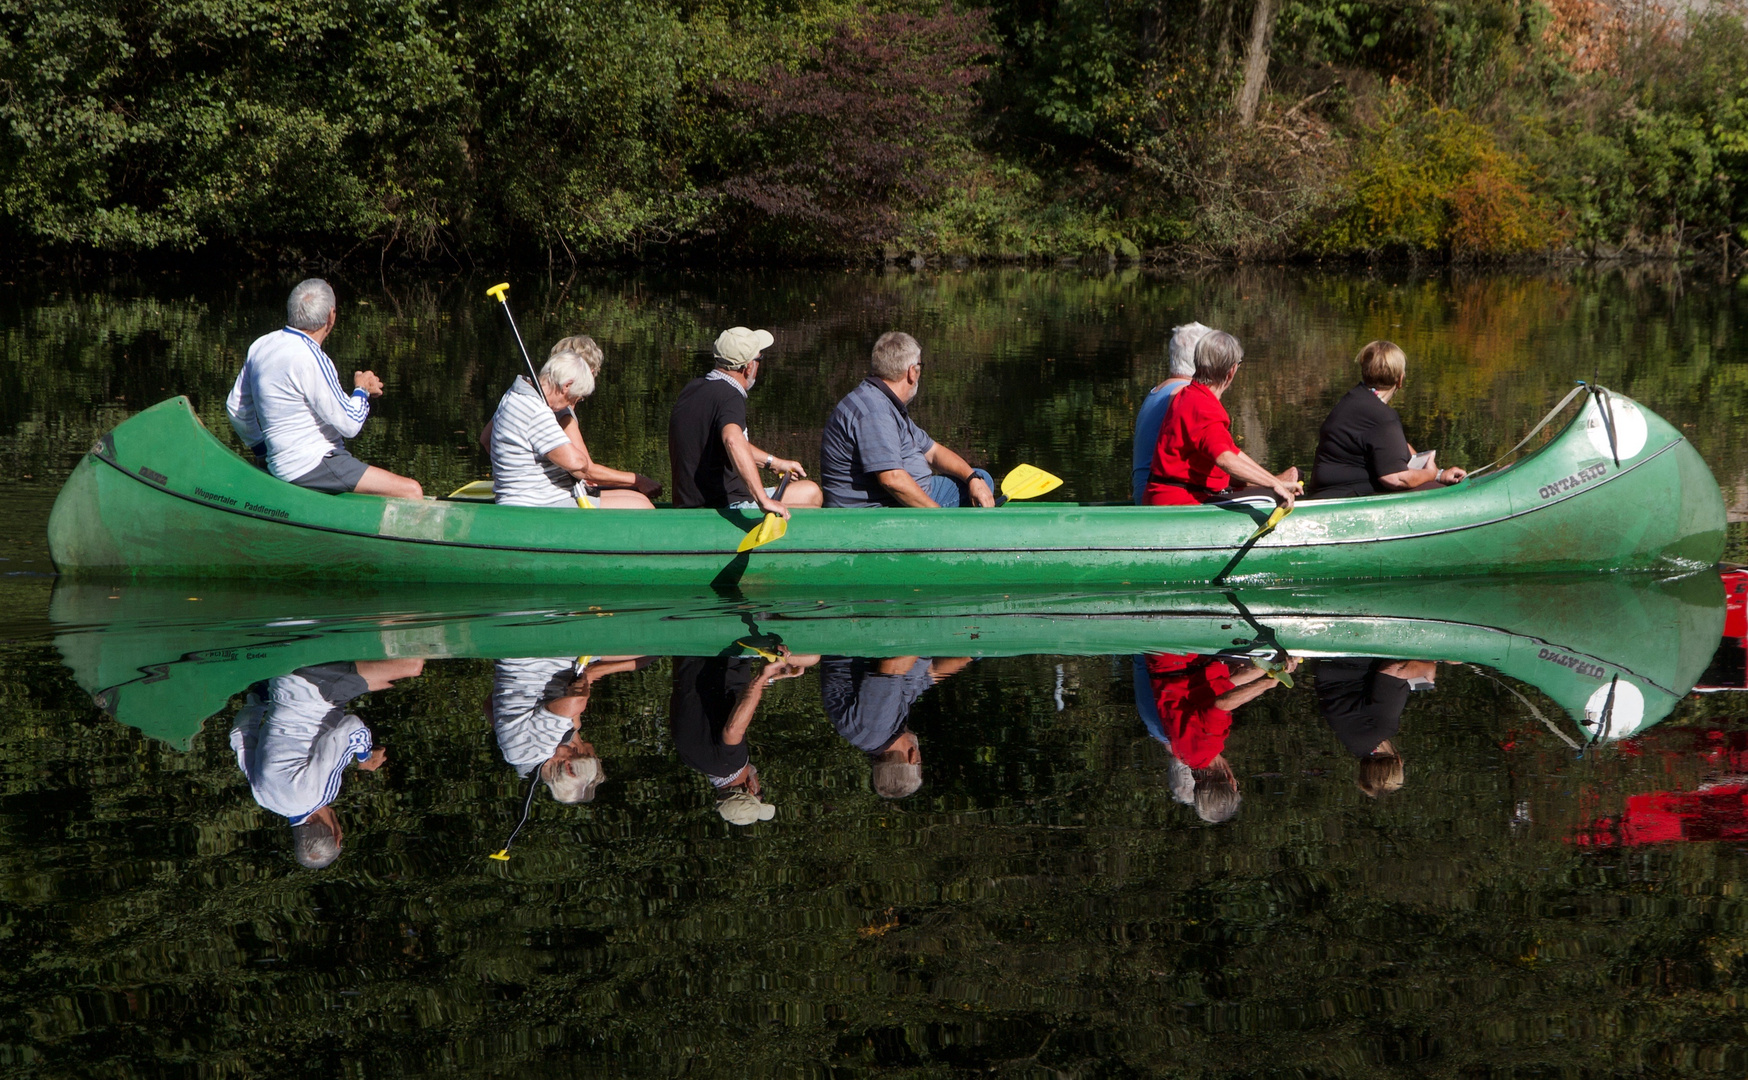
715	464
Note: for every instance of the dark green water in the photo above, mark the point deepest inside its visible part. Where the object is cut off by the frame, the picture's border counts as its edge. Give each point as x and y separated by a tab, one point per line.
1042	906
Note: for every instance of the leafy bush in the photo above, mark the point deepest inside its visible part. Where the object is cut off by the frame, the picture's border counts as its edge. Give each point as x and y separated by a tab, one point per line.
1431	179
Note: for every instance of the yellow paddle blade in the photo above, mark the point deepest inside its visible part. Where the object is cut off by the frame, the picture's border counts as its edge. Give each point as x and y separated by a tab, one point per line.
769	656
774	527
501	856
479	489
1028	482
496	292
1281	511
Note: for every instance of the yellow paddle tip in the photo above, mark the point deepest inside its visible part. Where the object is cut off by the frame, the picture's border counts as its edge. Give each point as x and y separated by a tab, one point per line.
501	856
771	528
1028	482
497	291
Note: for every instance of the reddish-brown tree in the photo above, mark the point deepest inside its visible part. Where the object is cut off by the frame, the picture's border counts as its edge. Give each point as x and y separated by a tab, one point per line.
829	154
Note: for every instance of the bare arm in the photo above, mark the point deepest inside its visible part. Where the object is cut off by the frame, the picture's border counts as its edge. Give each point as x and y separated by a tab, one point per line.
746	458
903	487
1249	684
1245	468
945	461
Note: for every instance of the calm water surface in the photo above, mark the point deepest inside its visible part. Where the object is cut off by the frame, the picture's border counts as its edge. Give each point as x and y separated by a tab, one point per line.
1536	898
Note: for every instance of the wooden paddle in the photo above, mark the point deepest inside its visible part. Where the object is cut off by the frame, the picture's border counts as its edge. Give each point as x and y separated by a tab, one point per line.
774	527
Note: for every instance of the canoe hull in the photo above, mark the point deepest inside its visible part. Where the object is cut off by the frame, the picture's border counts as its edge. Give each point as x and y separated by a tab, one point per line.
161	497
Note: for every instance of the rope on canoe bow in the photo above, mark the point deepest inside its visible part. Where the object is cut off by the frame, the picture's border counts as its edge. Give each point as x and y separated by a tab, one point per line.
1565	401
1537	713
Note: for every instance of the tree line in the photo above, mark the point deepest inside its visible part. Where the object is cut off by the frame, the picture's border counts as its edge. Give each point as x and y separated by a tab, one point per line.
691	130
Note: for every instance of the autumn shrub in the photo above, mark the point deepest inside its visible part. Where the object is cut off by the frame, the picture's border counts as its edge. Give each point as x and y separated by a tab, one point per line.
1428	179
829	156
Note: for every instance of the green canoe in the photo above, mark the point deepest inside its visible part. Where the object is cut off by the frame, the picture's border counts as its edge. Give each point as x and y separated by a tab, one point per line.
1625	646
161	497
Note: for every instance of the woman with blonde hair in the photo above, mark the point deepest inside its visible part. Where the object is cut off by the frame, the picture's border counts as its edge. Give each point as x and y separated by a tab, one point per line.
538	454
1361	449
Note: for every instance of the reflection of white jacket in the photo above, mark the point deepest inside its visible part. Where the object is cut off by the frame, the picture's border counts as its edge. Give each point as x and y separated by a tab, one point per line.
527	732
293	743
288	396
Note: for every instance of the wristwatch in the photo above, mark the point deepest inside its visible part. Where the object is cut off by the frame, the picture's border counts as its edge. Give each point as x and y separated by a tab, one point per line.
768	459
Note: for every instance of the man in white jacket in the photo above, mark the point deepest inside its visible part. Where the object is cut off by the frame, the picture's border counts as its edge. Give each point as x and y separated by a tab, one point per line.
288	407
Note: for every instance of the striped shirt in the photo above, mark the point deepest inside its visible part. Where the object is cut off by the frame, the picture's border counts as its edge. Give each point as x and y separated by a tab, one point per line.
529	733
293	739
524	431
288	398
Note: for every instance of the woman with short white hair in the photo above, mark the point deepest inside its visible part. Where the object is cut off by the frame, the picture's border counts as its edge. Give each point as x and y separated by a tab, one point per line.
538	454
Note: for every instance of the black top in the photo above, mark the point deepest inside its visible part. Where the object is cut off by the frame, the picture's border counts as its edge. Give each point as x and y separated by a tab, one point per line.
706	689
704	474
1361	704
1361	441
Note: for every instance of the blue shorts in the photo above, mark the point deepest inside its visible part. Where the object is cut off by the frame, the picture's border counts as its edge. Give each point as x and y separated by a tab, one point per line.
770	493
950	492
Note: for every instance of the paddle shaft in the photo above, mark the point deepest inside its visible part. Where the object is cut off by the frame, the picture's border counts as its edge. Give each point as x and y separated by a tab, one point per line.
503	298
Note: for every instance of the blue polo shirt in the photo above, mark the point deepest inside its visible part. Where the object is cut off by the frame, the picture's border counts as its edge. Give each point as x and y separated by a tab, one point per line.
870	432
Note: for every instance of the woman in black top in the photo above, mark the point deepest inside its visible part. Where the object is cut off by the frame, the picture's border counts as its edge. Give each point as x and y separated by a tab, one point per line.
1361	449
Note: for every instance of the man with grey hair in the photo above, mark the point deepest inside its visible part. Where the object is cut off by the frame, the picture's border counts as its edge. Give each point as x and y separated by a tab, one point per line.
873	454
288	407
536	709
869	700
1180	369
294	739
715	462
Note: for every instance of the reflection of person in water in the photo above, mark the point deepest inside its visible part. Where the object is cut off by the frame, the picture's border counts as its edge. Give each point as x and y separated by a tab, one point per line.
1194	697
294	737
536	710
869	700
1362	701
713	704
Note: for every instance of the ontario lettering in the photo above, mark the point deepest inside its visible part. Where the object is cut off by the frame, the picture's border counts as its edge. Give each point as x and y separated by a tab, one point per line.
215	496
1581	477
1582	667
270	511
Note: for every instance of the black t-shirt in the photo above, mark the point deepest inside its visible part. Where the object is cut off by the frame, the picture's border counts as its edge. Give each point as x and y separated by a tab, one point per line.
1360	441
704	475
706	689
1361	704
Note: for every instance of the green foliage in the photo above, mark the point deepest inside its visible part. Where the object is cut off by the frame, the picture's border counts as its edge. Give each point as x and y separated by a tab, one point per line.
1431	179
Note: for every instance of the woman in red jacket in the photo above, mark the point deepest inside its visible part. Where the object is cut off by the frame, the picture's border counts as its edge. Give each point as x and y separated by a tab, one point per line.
1196	459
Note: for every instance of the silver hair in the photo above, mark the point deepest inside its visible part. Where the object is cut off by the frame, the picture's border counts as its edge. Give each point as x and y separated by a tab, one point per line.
893	355
574	785
1181	351
309	305
1217	356
314	843
569	369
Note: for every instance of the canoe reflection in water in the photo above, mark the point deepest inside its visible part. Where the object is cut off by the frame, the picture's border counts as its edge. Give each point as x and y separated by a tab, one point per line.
1362	699
714	700
868	700
294	738
536	709
1187	700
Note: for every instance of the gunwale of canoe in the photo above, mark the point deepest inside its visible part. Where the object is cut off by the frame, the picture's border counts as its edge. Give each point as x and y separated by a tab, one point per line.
160	496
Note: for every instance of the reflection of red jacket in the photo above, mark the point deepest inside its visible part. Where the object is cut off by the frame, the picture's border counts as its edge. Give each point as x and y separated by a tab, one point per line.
1184	689
1719	812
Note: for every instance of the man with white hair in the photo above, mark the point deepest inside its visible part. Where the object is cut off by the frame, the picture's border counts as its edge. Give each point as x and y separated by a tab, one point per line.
1180	369
869	700
288	407
873	454
715	462
294	738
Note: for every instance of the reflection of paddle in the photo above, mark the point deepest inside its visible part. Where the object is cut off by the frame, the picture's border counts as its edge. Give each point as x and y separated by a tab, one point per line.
1274	519
1028	482
774	527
